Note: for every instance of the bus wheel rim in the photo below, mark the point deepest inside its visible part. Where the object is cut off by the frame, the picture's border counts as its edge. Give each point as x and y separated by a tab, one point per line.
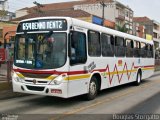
139	78
93	88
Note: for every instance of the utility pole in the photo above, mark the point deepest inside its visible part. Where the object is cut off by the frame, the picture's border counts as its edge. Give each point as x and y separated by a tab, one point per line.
38	7
103	7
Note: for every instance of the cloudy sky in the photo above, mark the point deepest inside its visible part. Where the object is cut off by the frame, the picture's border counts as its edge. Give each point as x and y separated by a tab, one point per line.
18	4
150	8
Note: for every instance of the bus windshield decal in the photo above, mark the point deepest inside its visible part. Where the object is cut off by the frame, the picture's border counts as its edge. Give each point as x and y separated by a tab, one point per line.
19	61
24	61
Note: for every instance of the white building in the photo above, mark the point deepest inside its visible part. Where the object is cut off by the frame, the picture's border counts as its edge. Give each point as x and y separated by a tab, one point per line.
22	12
156	31
4	5
113	11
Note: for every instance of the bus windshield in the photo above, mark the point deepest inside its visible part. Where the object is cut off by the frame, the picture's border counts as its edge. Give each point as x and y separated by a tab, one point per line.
40	50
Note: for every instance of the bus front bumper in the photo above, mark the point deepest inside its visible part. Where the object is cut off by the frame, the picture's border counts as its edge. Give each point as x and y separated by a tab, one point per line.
47	90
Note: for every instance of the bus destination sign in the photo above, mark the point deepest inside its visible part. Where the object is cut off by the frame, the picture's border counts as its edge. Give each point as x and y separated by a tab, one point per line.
42	25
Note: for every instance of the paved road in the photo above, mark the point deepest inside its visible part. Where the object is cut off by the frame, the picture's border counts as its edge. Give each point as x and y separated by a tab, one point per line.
143	99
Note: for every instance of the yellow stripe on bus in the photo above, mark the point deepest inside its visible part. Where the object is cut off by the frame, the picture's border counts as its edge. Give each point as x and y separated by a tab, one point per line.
77	77
51	77
84	76
20	75
147	68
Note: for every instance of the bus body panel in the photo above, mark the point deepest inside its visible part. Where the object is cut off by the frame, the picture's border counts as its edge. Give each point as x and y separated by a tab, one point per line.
114	71
17	87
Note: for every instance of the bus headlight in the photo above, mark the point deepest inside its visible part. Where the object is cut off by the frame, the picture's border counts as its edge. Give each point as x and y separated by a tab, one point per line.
16	78
58	80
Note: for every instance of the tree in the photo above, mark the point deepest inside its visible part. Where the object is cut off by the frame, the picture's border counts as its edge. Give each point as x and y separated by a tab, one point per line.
122	28
3	13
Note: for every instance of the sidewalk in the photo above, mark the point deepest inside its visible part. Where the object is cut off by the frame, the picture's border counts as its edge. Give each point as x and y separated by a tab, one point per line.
3	70
3	73
6	91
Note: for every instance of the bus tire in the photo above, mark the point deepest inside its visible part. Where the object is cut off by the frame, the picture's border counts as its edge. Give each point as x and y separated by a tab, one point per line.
138	78
93	89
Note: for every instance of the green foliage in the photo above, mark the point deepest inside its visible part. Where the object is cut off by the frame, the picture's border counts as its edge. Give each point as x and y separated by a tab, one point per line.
122	28
3	13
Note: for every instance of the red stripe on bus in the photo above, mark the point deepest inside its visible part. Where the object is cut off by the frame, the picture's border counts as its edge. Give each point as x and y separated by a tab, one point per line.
50	72
69	73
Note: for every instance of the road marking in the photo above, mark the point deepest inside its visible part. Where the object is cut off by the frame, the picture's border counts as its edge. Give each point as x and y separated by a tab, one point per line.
133	90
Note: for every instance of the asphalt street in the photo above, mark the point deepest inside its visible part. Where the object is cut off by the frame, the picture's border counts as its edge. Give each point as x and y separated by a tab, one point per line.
125	99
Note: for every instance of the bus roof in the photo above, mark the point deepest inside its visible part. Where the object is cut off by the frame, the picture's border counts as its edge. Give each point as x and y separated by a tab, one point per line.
42	18
94	27
99	28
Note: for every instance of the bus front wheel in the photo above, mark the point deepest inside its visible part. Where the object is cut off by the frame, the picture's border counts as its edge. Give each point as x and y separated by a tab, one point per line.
138	79
93	89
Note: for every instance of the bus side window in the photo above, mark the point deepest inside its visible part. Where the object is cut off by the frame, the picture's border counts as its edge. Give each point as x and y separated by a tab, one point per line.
137	50
149	51
143	50
119	47
152	51
129	48
107	43
94	47
78	52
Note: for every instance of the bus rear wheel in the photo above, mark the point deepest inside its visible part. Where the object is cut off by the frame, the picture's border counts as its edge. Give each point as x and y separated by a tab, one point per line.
93	89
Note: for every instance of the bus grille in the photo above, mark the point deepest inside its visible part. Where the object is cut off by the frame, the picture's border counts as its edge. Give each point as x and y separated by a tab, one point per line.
35	88
31	75
42	82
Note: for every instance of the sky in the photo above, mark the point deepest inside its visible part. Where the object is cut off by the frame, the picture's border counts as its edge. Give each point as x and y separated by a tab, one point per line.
18	4
149	8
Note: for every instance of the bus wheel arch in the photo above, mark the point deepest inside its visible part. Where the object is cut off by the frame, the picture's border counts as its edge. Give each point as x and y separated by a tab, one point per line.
94	86
98	76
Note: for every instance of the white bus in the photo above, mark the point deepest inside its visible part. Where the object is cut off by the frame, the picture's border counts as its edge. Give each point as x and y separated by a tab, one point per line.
66	57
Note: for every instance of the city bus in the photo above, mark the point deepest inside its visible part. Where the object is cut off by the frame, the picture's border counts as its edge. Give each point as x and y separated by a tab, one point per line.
66	57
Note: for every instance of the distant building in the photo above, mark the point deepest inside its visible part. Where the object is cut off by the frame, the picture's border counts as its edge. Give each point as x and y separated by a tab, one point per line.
114	12
22	12
7	27
47	8
4	5
138	30
69	13
156	31
151	29
5	15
